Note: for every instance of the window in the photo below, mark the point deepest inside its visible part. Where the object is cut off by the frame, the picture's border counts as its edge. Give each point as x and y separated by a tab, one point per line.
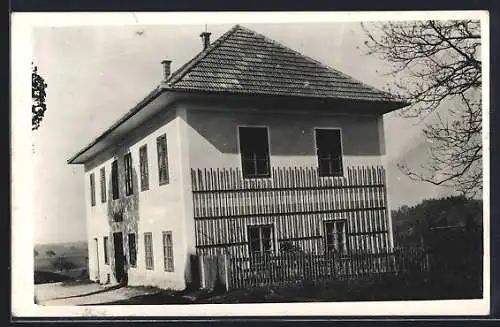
161	144
254	149
92	189
106	254
329	152
148	250
103	184
168	251
132	250
260	239
143	162
114	180
335	232
129	184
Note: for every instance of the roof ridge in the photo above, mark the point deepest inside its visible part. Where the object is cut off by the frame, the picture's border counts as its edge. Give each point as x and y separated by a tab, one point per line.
184	69
315	61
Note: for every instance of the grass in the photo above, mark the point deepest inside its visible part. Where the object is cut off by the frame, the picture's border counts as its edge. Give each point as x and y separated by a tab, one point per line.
421	287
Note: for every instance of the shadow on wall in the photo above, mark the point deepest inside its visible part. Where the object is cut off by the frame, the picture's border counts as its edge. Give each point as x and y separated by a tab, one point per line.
289	134
122	214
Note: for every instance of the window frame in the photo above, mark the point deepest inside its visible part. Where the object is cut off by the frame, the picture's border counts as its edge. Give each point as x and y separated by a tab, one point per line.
115	180
272	239
92	189
166	179
143	167
330	173
128	174
132	263
247	175
148	235
105	241
342	247
103	184
168	256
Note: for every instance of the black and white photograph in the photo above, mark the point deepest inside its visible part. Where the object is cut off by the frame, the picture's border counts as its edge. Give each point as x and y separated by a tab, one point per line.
312	164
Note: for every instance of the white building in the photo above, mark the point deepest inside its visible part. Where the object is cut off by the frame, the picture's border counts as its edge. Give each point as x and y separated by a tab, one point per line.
295	149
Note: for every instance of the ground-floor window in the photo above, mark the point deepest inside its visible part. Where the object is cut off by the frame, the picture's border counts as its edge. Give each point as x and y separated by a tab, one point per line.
148	250
168	251
335	236
132	250
106	249
260	240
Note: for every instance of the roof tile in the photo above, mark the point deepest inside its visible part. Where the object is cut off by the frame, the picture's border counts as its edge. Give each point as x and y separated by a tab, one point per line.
243	61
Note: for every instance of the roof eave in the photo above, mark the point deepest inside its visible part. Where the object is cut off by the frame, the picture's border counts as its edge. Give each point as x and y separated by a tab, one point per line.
150	97
395	103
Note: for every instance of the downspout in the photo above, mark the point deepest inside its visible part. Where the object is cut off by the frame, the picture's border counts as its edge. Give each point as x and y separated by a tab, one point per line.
383	155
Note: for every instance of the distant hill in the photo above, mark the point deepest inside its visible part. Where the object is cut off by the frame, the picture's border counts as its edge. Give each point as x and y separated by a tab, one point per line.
66	248
47	255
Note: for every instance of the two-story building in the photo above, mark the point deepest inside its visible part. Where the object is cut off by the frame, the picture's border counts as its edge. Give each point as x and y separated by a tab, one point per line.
247	147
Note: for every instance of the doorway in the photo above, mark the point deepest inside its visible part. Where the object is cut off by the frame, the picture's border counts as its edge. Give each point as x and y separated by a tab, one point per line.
119	257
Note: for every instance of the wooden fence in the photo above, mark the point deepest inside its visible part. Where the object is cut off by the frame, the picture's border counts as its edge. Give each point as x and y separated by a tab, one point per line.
292	268
296	201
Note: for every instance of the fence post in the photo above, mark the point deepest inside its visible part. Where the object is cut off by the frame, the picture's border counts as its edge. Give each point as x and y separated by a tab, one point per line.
202	271
226	274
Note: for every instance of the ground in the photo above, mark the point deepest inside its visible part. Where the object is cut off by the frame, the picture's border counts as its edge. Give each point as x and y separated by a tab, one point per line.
87	293
420	288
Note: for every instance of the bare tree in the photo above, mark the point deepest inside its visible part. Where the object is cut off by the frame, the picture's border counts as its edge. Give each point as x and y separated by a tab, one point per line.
437	68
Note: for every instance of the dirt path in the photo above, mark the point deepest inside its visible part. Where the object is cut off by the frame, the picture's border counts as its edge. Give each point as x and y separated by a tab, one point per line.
84	294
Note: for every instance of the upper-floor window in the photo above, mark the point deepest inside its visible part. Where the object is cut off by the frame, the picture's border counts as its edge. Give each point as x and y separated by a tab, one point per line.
254	149
129	182
329	152
335	235
161	144
143	163
115	186
92	189
103	184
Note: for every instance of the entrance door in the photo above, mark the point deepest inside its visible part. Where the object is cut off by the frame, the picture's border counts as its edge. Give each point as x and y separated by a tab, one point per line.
119	257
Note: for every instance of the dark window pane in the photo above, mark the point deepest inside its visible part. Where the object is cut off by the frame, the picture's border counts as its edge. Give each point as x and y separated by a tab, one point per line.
127	161
329	152
103	184
132	250
254	149
114	180
106	255
92	189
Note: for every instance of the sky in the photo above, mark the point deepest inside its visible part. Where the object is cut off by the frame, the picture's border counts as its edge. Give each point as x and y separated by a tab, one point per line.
97	73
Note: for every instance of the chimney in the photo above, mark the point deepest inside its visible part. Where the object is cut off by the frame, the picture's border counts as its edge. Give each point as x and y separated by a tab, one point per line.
166	69
206	39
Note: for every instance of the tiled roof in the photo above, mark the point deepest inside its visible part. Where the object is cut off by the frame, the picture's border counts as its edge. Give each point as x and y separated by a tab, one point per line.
245	62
